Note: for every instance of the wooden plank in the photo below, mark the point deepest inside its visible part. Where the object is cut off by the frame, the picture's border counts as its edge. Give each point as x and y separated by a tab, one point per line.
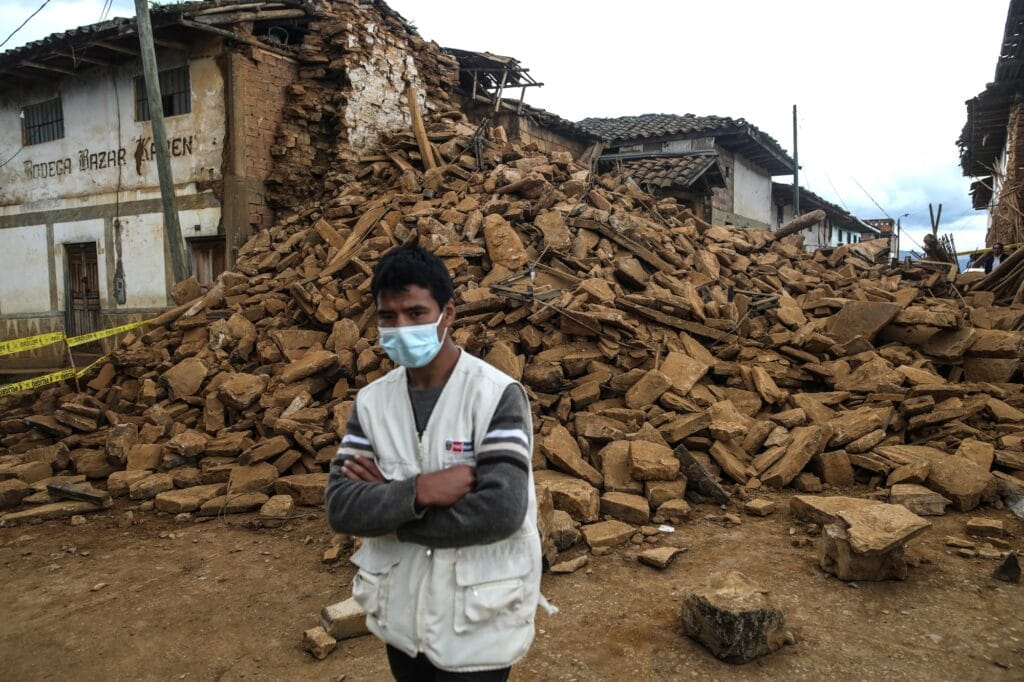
329	234
349	248
81	493
426	154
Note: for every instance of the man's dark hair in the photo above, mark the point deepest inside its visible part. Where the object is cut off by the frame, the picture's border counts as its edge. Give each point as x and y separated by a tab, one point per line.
406	265
999	244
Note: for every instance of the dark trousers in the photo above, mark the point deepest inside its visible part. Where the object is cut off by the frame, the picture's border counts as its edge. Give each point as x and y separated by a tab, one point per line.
419	669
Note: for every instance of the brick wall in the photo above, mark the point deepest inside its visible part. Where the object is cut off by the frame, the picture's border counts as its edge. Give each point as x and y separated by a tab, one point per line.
263	79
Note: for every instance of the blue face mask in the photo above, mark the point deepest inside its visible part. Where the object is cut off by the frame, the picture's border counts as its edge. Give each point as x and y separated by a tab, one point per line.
413	346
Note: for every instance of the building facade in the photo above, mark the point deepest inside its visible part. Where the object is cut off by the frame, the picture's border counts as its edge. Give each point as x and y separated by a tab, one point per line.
839	226
720	167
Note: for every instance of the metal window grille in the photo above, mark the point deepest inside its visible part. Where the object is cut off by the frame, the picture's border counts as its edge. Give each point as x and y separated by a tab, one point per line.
43	122
175	92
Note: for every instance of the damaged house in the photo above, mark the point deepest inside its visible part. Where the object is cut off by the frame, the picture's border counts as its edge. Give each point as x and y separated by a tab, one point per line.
992	140
839	226
722	168
82	243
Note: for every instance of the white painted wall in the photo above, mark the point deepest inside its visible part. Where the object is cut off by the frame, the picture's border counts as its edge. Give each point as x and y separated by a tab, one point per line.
145	264
78	232
752	191
24	289
101	137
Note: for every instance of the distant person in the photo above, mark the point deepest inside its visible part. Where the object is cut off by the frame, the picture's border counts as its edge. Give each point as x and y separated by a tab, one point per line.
993	259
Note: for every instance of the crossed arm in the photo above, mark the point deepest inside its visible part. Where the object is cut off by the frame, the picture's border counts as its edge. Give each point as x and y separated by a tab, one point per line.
454	507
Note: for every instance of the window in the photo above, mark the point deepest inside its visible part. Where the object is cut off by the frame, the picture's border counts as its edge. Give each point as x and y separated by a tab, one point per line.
175	91
43	122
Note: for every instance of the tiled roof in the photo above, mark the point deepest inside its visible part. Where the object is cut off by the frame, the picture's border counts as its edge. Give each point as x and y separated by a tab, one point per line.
626	128
674	172
734	134
783	193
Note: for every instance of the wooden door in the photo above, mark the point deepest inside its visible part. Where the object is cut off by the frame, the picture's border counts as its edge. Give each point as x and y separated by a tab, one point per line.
83	287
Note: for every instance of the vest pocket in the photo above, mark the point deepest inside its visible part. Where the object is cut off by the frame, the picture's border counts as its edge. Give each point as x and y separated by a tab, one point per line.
491	591
371	585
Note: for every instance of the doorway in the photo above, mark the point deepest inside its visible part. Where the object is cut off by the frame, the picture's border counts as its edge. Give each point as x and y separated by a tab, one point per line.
83	292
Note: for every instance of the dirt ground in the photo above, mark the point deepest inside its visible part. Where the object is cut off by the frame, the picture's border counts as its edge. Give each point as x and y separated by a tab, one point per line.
209	601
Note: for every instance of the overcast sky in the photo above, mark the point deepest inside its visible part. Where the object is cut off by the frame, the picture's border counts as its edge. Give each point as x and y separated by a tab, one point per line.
880	85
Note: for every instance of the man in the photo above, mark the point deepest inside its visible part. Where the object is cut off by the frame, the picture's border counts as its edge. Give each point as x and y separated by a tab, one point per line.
434	472
994	259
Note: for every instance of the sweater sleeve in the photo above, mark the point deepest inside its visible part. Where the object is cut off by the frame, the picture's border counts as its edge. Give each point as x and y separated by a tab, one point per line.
361	508
495	509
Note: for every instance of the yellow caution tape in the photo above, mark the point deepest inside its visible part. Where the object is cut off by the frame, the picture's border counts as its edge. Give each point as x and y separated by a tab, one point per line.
85	370
30	342
37	382
95	336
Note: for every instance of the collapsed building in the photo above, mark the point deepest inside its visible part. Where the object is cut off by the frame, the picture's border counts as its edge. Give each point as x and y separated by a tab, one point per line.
668	360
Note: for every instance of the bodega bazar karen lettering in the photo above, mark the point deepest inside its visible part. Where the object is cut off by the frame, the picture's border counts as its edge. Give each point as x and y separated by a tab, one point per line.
145	150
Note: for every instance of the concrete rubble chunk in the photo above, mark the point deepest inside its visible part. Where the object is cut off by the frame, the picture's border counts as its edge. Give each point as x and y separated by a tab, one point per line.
918	499
652	462
570	565
241	390
577	498
318	642
187	499
736	619
659	557
344	620
233	503
648	389
563	452
607	533
632	509
615	468
185	378
306	489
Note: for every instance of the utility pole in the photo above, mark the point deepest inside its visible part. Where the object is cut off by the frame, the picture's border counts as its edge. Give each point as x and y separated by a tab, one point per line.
796	169
172	228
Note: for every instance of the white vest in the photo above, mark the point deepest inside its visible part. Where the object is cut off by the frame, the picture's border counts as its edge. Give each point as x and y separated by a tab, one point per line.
466	609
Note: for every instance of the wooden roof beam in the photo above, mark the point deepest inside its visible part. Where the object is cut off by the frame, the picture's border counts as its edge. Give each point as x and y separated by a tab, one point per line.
84	58
171	44
113	47
47	67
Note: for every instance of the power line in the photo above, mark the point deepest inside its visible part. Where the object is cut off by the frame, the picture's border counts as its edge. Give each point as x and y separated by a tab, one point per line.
838	196
871	197
45	3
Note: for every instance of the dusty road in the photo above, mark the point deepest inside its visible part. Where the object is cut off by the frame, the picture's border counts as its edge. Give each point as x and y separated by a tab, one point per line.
208	601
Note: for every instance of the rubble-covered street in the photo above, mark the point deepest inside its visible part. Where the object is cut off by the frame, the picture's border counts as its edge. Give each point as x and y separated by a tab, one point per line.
758	450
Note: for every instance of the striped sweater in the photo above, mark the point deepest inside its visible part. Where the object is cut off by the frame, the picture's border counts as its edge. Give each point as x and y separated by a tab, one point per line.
492	511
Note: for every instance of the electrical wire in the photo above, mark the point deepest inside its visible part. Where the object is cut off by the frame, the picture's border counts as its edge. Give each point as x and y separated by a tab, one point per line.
20	150
45	3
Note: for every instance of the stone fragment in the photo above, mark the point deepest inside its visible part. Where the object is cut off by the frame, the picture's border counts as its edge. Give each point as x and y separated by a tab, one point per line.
607	533
880	528
822	510
807	482
276	511
56	456
625	507
306	489
241	390
344	620
246	479
189	444
564	532
646	391
571	565
918	499
313	362
233	503
615	468
979	452
986	528
149	487
318	642
759	507
834	468
660	492
552	226
726	422
806	442
187	499
48	512
119	482
563	452
836	556
29	472
185	378
860	318
912	473
652	462
684	426
960	480
659	557
141	457
733	617
545	521
120	440
504	246
577	498
673	511
683	372
12	492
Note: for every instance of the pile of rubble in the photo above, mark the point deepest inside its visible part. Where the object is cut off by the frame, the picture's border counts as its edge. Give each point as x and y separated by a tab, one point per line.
668	361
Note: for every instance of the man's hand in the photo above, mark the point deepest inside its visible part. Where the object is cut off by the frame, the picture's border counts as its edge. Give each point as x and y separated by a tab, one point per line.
361	468
444	488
